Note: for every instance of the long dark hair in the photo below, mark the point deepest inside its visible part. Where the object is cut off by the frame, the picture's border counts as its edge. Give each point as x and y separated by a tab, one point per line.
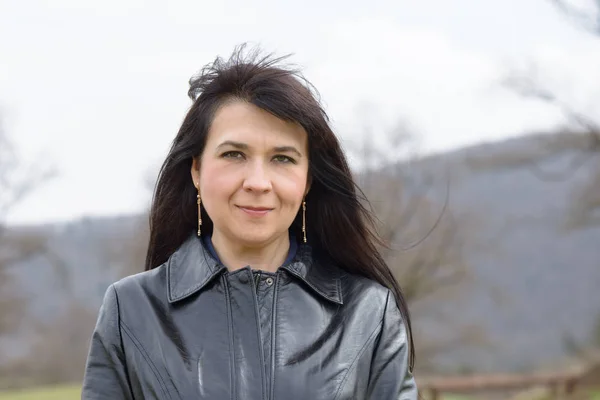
338	223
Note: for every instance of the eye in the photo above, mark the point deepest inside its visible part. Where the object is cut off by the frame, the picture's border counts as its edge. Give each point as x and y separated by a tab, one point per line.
232	154
284	159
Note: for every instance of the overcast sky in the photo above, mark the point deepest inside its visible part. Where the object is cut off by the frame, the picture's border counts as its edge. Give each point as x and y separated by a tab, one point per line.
98	89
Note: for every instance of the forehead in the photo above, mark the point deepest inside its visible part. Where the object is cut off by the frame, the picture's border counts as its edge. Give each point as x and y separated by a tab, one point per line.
245	122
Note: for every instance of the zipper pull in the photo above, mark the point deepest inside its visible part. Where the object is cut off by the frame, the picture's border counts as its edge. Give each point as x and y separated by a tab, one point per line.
257	279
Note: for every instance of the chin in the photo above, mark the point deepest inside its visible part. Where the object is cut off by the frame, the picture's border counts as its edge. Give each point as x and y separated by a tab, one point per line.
255	237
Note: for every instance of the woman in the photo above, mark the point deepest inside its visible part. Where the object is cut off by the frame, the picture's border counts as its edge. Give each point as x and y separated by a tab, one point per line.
263	280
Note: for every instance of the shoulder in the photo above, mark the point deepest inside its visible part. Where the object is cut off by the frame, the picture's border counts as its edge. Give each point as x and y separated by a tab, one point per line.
364	293
152	283
354	288
124	298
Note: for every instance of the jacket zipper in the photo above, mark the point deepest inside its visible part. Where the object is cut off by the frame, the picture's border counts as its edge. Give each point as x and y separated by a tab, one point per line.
257	281
271	389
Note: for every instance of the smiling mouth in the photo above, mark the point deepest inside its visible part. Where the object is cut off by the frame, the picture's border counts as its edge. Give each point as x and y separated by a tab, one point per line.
255	211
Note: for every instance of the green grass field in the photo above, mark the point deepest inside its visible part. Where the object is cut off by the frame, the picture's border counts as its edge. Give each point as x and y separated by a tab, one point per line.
71	392
74	393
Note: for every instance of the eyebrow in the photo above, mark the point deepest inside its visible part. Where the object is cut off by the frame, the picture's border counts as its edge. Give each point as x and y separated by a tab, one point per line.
244	146
287	149
237	145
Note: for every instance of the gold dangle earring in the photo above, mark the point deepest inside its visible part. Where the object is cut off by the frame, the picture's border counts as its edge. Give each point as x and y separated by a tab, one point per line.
304	220
199	202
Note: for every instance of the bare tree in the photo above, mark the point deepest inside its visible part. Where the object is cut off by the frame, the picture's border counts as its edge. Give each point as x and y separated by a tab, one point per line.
16	182
586	16
125	252
57	351
426	241
587	348
57	347
11	302
585	205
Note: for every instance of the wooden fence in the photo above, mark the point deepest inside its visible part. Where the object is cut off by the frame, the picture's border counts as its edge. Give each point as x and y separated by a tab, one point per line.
558	385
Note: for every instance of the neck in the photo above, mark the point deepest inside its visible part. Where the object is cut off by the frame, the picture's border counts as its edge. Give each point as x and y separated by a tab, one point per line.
266	257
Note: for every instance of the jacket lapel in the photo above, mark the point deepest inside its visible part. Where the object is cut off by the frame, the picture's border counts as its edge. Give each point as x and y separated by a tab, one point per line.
192	267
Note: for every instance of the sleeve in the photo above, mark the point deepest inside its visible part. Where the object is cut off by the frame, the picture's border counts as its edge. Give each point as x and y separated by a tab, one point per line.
391	377
105	375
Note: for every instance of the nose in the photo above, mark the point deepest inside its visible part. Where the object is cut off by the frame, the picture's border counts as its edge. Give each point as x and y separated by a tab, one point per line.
257	178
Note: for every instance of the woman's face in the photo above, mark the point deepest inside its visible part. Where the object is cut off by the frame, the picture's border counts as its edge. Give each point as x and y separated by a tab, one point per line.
252	174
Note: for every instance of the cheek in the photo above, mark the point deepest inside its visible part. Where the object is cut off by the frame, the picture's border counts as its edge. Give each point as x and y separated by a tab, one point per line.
216	185
292	190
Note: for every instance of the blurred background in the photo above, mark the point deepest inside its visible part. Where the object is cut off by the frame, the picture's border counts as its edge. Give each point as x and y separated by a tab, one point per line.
473	127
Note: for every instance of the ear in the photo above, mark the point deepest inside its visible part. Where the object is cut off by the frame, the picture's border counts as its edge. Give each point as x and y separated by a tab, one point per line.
308	184
195	171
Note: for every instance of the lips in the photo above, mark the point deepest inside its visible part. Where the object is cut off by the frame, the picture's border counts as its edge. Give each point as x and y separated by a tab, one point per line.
255	211
255	208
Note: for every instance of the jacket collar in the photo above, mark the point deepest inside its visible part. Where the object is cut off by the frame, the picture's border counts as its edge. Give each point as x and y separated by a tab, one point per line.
324	279
192	267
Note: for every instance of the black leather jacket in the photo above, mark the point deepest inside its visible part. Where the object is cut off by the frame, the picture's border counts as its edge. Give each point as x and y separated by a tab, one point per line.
190	329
